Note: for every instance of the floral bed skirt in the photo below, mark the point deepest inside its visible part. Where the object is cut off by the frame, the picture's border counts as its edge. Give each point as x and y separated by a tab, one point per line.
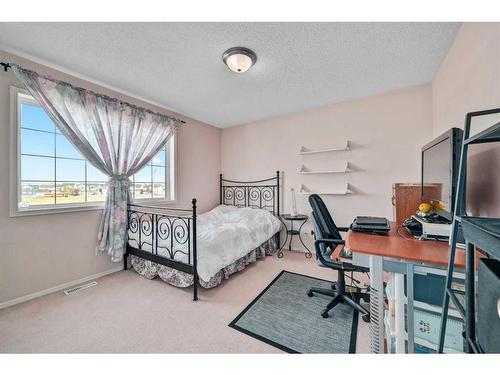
181	279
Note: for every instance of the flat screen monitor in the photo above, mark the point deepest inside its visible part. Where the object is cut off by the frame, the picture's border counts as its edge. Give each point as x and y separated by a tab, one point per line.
440	164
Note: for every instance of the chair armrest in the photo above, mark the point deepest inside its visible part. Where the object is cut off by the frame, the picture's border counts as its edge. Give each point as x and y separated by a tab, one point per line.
329	241
343	229
339	265
319	254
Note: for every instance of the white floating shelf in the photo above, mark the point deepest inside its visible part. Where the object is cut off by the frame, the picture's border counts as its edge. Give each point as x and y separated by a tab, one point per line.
344	168
344	190
305	151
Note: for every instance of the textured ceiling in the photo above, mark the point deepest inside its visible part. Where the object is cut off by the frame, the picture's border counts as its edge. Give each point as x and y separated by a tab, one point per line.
300	65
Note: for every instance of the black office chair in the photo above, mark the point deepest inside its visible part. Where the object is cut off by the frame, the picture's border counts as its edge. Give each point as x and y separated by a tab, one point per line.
328	237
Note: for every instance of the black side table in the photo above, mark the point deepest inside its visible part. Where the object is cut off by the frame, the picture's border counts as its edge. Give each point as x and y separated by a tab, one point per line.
293	232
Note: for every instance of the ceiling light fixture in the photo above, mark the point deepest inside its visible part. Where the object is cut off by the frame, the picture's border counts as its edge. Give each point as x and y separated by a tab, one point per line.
239	59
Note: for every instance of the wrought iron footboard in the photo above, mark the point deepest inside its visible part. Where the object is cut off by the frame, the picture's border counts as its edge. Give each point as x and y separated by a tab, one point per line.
165	236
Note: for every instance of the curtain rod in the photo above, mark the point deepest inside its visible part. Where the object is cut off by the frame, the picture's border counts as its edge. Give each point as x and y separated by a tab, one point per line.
6	66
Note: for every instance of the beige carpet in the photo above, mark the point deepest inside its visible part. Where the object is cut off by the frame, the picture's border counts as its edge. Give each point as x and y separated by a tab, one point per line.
127	313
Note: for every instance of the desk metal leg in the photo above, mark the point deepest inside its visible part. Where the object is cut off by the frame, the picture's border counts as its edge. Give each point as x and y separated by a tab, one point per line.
376	305
399	286
409	307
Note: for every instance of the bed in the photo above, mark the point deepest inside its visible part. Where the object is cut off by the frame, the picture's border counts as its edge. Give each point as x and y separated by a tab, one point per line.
184	249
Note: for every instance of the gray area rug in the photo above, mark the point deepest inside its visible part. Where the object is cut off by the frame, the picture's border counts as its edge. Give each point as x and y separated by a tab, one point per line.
282	315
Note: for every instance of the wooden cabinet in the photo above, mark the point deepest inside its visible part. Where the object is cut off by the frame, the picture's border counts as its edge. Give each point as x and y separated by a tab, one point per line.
406	197
405	200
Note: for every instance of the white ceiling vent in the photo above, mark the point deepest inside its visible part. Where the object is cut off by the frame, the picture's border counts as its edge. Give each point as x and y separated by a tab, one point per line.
79	288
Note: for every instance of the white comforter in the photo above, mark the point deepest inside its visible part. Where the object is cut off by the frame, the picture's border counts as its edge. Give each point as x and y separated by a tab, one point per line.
227	233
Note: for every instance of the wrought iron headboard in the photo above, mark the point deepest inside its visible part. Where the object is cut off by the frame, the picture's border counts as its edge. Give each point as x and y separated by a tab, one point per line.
263	194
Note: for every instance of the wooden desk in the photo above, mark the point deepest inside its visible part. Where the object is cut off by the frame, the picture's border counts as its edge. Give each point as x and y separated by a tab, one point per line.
397	252
398	244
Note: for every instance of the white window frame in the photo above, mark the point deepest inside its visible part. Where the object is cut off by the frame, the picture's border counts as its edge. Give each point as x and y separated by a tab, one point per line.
15	169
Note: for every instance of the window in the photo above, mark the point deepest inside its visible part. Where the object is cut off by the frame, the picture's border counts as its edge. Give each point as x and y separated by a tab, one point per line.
51	173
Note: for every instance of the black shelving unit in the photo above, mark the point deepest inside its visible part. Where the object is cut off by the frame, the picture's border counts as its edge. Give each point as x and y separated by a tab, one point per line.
478	231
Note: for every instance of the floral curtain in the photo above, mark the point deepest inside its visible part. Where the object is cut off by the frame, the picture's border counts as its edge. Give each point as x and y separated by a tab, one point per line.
115	137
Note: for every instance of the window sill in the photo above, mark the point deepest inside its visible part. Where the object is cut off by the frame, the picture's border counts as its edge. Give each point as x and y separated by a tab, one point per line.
75	208
54	210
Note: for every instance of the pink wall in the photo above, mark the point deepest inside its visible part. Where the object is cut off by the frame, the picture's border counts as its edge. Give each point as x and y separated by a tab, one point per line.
469	80
385	133
198	165
469	77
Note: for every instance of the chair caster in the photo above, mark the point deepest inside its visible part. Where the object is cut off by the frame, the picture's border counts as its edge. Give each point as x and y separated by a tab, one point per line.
366	318
309	293
324	314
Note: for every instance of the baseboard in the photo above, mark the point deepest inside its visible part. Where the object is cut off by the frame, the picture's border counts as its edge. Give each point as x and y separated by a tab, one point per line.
57	288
